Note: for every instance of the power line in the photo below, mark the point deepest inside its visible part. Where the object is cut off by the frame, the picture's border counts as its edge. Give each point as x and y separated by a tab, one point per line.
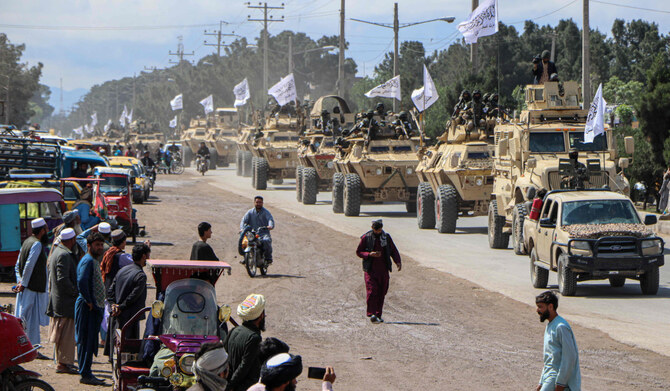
105	28
630	6
550	13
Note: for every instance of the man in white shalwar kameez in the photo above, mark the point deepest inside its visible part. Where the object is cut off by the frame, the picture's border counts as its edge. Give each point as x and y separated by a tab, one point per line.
32	282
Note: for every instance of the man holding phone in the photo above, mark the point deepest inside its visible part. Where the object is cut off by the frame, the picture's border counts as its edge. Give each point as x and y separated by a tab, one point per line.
376	248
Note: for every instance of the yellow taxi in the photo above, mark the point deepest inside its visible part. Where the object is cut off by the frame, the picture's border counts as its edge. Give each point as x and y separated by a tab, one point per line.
142	184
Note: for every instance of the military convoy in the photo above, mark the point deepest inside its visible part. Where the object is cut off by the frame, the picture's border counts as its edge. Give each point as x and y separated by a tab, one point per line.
224	138
532	154
316	150
197	132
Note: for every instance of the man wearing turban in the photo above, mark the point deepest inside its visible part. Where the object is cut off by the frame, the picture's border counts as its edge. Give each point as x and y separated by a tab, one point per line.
243	342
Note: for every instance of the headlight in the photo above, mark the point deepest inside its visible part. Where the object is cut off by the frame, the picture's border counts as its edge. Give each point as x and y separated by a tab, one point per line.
651	247
479	181
279	156
581	247
177	379
329	164
225	147
166	371
186	363
378	171
409	170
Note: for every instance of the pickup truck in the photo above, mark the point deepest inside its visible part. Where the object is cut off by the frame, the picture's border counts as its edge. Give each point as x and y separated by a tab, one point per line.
592	235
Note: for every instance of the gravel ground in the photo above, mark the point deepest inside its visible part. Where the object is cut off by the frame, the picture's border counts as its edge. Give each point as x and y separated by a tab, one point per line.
441	332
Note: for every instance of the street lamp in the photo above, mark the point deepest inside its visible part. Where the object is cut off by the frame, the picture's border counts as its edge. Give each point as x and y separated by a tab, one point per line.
396	26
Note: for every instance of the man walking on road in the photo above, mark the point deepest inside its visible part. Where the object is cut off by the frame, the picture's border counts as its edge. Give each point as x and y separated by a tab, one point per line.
260	220
243	344
561	356
377	249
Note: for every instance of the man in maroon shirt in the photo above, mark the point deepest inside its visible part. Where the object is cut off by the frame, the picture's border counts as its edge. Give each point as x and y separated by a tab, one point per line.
377	249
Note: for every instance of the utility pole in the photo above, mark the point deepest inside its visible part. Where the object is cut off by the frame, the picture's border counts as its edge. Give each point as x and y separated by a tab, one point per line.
396	28
134	76
553	46
473	46
218	34
180	51
340	62
290	54
61	96
265	33
586	60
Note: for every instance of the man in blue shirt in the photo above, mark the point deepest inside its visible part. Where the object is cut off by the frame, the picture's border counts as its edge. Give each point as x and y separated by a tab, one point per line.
561	356
260	220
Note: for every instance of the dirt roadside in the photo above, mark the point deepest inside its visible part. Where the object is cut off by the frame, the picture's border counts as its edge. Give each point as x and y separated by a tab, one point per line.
441	332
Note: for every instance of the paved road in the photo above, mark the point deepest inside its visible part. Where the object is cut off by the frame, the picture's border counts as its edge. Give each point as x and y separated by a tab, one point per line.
623	313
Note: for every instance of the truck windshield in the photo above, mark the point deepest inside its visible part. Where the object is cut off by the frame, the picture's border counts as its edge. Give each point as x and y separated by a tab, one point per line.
114	184
599	212
546	142
577	141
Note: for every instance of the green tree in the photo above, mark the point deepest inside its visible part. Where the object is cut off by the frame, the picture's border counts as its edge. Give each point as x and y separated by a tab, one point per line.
653	107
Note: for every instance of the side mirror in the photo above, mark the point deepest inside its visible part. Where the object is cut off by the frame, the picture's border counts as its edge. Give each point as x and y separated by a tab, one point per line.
157	309
650	219
530	193
224	313
547	223
531	163
502	147
623	162
629	144
515	148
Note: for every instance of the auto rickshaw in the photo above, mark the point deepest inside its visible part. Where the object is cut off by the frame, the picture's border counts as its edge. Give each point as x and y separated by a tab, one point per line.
115	188
184	316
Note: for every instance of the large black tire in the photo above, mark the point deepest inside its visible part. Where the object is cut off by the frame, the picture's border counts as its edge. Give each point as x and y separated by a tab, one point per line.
261	173
518	216
446	209
253	172
213	158
188	156
32	384
538	276
497	238
617	281
238	162
246	167
338	192
298	183
310	185
425	205
352	195
649	281
567	279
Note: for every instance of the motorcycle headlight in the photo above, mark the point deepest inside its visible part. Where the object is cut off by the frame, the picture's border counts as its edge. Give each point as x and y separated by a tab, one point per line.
651	247
409	170
177	379
166	371
186	363
329	164
378	171
479	181
279	156
581	247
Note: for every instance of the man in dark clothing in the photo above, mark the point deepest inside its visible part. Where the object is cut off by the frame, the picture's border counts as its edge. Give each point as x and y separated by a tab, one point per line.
543	68
377	249
243	344
128	293
203	151
147	160
201	251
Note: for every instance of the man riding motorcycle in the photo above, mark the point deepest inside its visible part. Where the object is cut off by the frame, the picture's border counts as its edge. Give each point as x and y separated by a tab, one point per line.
150	165
259	219
203	154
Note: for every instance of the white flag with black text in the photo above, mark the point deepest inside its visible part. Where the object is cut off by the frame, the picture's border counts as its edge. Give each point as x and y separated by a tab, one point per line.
241	92
483	21
389	89
107	125
284	91
208	104
425	96
173	122
94	119
595	120
177	103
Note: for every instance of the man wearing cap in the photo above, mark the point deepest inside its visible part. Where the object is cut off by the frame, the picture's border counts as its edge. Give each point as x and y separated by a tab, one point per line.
543	68
105	229
88	310
243	342
376	248
259	218
31	282
62	297
210	368
69	221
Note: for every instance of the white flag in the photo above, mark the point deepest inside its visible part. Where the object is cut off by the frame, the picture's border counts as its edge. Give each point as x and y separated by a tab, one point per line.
94	119
425	96
124	114
107	125
173	122
284	91
177	103
390	89
241	92
208	104
78	131
129	117
595	120
87	129
483	21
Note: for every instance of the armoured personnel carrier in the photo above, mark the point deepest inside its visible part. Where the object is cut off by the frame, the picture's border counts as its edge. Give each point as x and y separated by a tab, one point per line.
532	154
376	163
140	133
455	177
275	148
191	138
224	137
317	147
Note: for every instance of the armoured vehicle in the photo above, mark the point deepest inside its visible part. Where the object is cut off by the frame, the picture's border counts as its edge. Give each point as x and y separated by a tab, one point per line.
375	163
455	178
141	133
592	235
197	132
224	137
275	148
530	151
243	155
317	147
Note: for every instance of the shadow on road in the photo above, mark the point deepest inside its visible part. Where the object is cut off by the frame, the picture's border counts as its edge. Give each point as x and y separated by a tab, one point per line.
472	230
292	188
139	240
280	276
389	214
7	294
414	323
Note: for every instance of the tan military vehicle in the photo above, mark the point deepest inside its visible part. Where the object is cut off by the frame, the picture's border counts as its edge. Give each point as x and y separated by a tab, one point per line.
455	178
376	164
243	156
592	235
191	138
532	154
275	148
317	147
140	133
224	137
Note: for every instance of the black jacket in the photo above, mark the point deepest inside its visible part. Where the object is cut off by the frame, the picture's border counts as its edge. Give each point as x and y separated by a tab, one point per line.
242	345
62	283
129	291
537	73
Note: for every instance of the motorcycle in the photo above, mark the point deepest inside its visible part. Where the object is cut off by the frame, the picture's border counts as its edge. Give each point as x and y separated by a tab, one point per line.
15	349
202	163
151	173
254	259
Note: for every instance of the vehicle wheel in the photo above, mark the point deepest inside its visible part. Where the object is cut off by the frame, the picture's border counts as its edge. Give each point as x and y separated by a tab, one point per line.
425	204
246	164
649	282
538	276
617	281
446	209
352	195
250	264
518	216
32	384
298	183
253	172
497	238
134	236
338	192
177	168
238	162
261	173
567	279
310	185
213	158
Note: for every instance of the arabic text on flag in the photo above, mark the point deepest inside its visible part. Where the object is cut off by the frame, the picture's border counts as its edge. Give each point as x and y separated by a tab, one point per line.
595	120
389	89
177	103
208	104
284	91
241	92
483	21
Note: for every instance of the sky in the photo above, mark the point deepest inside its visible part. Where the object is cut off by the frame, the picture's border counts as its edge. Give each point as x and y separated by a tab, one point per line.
87	42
